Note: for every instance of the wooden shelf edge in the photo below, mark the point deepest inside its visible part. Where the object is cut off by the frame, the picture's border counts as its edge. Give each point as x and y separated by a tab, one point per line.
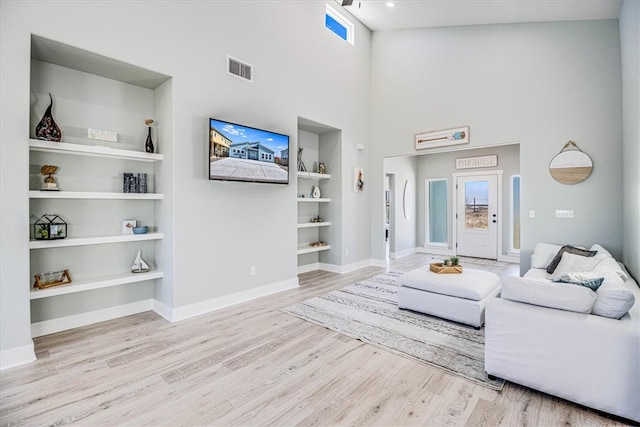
98	283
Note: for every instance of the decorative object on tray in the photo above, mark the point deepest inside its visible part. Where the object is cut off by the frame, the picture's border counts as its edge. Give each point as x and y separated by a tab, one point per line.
139	266
49	180
322	168
49	227
315	192
140	230
148	145
445	268
47	129
318	244
358	180
128	225
571	165
53	278
444	137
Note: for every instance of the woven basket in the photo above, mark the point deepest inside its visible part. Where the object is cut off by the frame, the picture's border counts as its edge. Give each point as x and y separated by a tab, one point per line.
440	268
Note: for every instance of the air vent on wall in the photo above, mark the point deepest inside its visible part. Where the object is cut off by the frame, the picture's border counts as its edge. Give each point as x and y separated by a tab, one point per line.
240	69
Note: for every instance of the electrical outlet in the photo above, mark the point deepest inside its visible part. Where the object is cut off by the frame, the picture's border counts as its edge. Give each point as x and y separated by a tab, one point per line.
346	252
253	270
532	214
564	213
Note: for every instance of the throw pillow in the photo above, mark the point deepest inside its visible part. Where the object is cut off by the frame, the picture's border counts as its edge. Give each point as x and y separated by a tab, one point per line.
543	253
570	249
613	300
588	279
548	294
610	264
571	263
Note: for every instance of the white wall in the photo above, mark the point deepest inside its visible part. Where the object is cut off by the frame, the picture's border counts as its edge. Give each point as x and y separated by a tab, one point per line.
403	232
630	47
300	69
539	84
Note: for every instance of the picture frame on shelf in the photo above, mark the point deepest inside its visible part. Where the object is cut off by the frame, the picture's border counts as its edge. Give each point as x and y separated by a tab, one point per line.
127	226
358	180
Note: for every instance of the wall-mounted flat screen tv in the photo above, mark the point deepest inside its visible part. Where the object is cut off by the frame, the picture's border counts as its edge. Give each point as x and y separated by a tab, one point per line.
243	153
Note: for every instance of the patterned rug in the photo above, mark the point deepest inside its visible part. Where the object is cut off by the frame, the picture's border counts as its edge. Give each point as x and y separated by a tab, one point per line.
368	311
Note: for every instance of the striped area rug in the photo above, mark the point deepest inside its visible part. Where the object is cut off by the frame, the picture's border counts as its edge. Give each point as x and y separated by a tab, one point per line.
368	311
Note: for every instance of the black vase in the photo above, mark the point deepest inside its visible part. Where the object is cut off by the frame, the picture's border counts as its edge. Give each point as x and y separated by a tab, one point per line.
47	129
148	146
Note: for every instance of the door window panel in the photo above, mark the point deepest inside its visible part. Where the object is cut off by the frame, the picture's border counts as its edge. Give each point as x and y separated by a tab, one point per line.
476	197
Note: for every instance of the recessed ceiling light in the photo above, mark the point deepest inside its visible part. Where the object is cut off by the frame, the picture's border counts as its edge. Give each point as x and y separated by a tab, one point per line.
390	4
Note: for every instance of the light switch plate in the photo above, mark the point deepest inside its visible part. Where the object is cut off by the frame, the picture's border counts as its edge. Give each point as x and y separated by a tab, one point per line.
102	135
564	213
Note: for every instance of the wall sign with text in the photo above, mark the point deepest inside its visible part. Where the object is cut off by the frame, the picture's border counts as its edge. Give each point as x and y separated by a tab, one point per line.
477	162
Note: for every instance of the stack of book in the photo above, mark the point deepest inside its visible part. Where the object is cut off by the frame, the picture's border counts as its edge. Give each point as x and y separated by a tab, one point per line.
134	183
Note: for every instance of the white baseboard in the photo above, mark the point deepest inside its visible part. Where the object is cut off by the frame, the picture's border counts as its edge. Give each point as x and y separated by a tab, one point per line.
203	307
394	255
17	356
509	258
162	309
47	327
342	269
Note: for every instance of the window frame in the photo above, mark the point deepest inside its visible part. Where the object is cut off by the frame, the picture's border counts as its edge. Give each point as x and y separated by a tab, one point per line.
427	233
513	214
344	22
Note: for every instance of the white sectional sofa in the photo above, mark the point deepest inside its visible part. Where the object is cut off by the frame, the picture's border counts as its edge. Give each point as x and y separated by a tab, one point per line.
567	340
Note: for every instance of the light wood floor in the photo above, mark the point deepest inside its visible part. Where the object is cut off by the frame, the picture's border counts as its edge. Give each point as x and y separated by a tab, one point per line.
253	365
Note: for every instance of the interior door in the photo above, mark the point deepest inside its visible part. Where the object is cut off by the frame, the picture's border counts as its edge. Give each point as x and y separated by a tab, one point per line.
477	216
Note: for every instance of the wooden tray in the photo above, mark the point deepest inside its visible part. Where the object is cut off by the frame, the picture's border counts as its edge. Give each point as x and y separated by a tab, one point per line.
65	279
440	268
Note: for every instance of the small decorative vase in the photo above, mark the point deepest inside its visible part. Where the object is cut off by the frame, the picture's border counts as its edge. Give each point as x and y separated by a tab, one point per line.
47	129
148	146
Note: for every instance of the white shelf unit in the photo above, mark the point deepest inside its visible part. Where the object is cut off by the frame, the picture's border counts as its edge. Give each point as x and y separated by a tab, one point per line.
313	200
93	195
312	249
92	150
90	175
313	175
97	240
314	224
95	283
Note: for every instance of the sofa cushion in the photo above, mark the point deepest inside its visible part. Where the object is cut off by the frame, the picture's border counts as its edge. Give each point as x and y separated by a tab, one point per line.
548	294
571	263
587	279
543	253
613	298
600	250
609	264
570	249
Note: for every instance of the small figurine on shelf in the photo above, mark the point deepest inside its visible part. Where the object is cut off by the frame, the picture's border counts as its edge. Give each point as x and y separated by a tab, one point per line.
322	168
49	180
148	146
139	266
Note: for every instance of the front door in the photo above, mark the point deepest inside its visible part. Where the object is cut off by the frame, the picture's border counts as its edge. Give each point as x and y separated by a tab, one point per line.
477	216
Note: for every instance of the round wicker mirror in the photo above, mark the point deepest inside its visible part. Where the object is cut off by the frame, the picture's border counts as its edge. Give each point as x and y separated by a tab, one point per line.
570	166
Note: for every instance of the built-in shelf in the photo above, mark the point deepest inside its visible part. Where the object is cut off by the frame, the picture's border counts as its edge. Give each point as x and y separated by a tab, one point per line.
311	249
99	240
314	224
313	175
313	200
95	283
92	150
95	195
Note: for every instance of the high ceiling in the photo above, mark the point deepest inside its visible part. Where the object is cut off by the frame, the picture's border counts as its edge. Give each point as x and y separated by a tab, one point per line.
376	15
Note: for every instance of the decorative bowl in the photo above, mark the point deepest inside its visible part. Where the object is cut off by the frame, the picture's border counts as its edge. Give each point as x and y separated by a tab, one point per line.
140	230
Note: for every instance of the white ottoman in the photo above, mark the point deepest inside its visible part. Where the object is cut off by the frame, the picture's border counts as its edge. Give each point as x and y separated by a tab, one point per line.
458	297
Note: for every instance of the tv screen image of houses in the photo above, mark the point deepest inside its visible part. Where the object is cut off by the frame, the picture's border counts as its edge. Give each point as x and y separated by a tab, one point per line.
243	153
